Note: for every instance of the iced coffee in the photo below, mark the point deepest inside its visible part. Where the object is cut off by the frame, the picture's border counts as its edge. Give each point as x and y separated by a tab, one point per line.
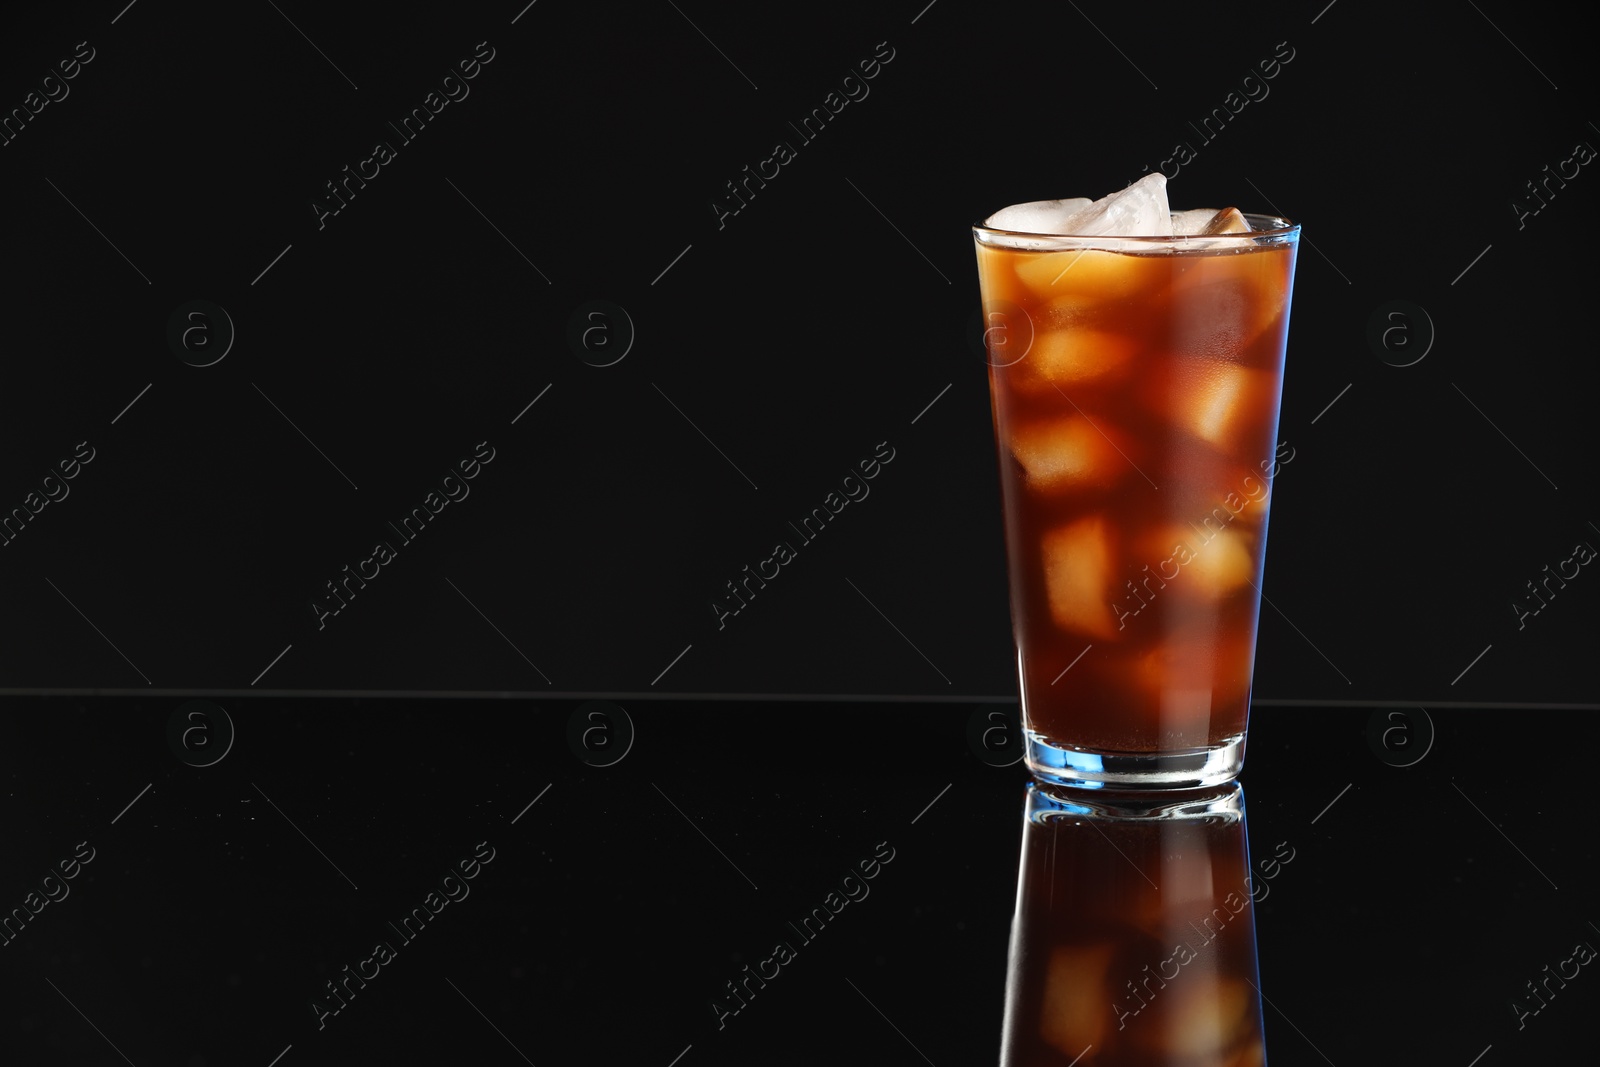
1135	368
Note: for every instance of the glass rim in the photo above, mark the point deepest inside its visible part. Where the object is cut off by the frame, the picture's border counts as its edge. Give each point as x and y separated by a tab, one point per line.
1265	230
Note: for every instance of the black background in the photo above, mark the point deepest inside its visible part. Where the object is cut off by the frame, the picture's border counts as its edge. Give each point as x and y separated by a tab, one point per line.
820	320
835	311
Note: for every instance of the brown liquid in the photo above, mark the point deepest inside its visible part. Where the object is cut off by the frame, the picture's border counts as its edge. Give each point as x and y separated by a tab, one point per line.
1136	441
1134	943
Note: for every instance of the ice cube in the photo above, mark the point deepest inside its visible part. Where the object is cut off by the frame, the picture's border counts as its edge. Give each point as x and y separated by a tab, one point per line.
1210	560
1076	1006
1069	452
1077	564
1219	402
1228	220
1208	220
1077	282
1188	223
1222	394
1140	210
1223	563
1071	357
1194	672
1037	216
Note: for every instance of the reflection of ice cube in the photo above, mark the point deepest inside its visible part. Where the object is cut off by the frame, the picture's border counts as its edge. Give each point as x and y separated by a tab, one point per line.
1067	452
1076	1006
1077	565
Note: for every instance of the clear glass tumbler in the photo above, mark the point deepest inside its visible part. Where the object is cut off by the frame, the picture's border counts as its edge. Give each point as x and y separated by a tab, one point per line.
1135	386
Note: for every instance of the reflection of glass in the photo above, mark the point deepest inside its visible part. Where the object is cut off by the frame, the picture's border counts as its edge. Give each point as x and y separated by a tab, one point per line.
1134	386
1134	942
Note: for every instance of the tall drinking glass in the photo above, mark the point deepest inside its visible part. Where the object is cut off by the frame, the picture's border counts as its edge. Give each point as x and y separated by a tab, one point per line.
1135	385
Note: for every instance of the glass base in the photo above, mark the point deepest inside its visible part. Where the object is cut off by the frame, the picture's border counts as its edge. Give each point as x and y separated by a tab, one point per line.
1192	768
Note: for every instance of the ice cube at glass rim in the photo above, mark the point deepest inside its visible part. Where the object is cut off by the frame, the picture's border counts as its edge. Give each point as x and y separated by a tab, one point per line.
1266	231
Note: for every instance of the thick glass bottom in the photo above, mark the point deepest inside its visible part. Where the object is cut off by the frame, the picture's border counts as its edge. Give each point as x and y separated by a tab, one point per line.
1192	768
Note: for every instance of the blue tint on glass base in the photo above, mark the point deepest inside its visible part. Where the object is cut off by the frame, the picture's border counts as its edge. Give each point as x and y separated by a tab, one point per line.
1185	769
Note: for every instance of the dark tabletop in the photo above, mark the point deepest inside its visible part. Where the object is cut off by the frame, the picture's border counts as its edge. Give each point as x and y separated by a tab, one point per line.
626	865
